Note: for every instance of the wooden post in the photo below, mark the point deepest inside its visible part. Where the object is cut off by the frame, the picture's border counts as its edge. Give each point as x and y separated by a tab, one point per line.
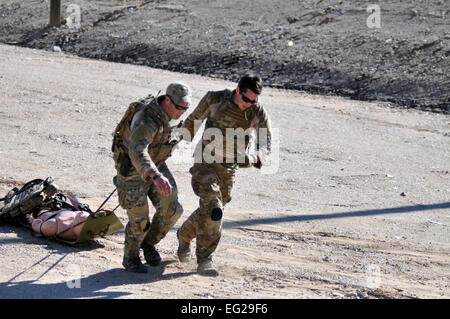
55	12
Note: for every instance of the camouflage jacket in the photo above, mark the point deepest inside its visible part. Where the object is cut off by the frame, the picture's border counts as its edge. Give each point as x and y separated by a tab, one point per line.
144	134
224	116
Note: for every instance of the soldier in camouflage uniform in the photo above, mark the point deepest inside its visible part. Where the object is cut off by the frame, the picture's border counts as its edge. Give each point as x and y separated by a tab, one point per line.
213	180
142	143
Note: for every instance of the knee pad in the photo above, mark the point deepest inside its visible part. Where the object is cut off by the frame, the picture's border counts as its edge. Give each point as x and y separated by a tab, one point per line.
139	226
139	219
216	214
138	212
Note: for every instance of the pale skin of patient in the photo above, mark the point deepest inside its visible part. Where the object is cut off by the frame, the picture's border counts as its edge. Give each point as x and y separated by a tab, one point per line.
65	219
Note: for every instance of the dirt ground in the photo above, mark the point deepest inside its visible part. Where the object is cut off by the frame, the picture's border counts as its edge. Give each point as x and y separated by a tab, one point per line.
393	51
357	205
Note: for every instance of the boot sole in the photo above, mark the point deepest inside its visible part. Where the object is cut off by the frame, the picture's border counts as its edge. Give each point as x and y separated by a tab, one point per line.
210	273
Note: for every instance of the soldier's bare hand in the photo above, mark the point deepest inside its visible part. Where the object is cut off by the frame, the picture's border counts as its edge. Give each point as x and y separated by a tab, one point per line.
163	185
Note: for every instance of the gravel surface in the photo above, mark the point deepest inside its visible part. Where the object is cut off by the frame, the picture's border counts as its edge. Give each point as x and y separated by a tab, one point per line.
329	47
357	207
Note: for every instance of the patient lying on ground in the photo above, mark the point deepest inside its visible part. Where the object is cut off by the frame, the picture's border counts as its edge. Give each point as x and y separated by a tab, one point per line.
65	223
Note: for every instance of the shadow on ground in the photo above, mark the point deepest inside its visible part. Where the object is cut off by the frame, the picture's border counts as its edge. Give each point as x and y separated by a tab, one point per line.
89	287
361	213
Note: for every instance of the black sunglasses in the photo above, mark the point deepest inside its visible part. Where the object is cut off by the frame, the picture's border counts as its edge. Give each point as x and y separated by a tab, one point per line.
178	107
246	99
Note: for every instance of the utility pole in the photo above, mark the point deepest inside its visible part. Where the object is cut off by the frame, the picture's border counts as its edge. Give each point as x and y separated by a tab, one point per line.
55	12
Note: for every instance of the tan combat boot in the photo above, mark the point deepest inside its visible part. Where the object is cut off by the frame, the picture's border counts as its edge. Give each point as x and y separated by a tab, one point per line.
206	268
134	265
151	255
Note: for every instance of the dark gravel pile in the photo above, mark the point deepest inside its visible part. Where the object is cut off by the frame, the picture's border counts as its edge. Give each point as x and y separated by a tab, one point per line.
319	46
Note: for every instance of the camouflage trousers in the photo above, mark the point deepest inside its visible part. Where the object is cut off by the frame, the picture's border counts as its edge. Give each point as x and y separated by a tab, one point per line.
213	184
133	193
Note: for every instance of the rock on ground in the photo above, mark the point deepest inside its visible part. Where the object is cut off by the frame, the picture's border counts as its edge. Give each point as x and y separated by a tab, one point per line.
329	47
328	220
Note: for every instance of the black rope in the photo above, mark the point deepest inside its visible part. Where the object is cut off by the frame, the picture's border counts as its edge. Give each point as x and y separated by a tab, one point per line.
106	200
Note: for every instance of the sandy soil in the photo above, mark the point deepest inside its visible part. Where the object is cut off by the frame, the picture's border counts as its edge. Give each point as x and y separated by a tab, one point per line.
398	54
359	206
